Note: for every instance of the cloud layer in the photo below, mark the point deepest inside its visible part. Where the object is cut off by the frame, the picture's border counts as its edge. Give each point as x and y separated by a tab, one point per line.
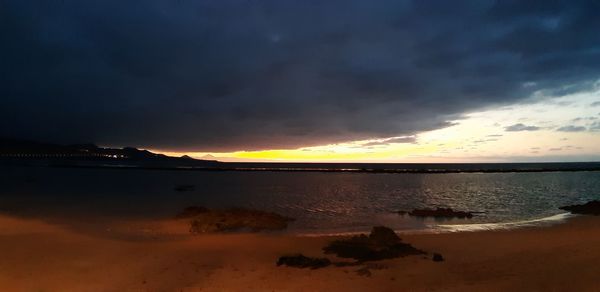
231	75
521	127
571	128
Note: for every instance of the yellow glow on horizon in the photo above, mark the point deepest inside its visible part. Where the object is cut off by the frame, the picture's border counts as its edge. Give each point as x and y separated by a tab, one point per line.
477	137
342	152
335	152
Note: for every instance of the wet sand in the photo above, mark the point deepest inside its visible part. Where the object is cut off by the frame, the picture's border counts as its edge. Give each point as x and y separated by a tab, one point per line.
162	256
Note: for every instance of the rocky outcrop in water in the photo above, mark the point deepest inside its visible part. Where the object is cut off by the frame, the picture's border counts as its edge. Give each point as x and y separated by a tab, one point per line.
301	261
438	213
382	243
204	220
589	208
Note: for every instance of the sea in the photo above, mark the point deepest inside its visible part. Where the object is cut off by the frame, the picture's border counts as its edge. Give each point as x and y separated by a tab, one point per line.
321	201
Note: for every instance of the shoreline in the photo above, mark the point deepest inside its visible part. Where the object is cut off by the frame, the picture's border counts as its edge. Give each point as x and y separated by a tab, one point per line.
427	225
552	220
78	222
161	255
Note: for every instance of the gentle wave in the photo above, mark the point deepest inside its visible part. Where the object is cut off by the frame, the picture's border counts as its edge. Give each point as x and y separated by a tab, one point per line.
450	228
551	220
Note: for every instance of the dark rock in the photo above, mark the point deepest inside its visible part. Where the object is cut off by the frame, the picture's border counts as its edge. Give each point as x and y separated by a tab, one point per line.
366	269
301	261
346	264
205	220
365	272
382	243
184	188
192	211
437	257
589	208
438	213
383	236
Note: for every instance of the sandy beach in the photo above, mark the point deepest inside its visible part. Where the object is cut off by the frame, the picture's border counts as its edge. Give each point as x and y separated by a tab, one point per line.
162	256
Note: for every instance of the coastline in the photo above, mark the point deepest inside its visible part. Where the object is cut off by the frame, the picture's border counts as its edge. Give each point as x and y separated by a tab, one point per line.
161	255
332	170
298	167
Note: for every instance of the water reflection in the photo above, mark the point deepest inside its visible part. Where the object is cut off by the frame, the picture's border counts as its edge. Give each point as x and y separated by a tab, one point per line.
321	202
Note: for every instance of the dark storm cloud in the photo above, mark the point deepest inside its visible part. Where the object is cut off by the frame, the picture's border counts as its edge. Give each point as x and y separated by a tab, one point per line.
520	128
410	139
227	75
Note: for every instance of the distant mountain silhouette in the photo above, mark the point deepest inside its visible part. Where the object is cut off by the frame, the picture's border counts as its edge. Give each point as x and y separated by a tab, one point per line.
209	157
32	149
29	153
23	150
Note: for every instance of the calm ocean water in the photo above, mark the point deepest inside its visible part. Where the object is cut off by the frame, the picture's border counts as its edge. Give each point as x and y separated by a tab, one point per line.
320	202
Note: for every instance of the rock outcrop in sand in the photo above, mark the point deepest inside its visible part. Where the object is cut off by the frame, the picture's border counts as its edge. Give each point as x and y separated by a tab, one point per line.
204	220
302	261
437	257
382	243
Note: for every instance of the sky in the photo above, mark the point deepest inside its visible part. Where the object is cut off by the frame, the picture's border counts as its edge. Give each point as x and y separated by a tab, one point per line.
242	80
